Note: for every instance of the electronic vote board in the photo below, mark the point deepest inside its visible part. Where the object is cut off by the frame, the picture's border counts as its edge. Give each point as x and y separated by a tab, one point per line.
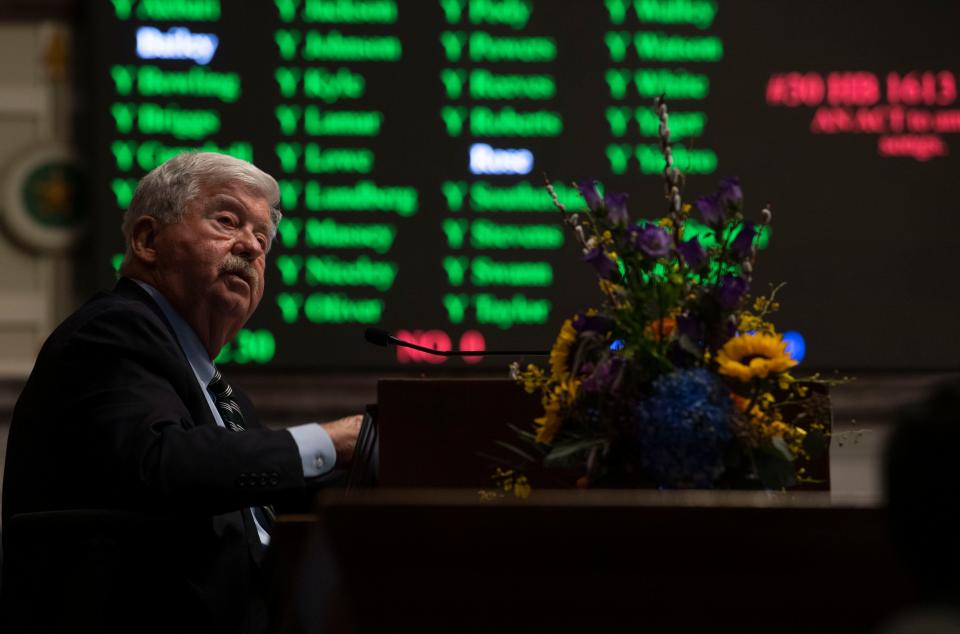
410	139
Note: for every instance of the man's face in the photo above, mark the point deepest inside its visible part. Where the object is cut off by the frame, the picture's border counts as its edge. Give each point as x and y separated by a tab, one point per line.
211	263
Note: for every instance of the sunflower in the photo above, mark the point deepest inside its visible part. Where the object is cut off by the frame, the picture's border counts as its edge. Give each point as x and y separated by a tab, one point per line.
751	356
554	401
560	353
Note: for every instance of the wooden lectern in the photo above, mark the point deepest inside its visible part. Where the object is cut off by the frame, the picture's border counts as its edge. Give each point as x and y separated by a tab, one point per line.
426	552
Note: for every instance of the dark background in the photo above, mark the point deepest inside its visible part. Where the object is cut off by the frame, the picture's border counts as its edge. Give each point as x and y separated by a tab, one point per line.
864	243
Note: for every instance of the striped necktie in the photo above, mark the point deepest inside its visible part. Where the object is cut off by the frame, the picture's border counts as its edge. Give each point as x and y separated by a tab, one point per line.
233	419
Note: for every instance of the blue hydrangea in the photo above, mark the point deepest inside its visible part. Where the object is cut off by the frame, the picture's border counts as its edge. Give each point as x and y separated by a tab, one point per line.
682	429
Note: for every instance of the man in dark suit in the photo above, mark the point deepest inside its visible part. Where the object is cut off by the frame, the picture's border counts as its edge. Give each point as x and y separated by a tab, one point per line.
138	485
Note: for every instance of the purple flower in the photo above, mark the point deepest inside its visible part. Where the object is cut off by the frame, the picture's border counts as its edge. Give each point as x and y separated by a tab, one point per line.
599	260
713	207
692	253
730	193
710	209
605	377
616	204
743	243
731	290
588	189
652	240
595	323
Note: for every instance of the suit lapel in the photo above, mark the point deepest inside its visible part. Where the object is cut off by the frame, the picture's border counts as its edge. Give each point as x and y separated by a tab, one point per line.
189	389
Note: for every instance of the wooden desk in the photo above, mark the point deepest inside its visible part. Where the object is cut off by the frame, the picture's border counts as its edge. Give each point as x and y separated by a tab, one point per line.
587	561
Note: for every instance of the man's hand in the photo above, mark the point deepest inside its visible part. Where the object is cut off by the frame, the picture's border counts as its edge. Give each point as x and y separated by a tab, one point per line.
343	432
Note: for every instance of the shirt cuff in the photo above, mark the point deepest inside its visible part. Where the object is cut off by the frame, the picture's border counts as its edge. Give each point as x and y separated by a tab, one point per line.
317	453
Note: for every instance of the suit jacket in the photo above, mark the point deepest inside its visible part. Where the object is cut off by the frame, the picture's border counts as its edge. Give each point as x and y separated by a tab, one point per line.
112	417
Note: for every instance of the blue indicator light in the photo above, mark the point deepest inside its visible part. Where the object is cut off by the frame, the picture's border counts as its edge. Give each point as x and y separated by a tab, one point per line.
796	347
617	345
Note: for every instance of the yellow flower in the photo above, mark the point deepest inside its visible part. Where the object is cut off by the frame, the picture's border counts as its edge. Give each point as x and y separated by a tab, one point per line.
746	357
560	352
548	424
532	379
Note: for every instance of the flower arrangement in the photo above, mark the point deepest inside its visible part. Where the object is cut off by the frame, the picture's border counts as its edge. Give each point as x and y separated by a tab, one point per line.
679	378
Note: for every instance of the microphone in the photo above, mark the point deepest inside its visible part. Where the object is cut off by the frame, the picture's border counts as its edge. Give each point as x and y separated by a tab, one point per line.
383	338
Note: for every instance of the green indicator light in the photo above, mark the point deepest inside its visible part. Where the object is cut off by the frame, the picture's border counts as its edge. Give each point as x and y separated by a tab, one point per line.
682	124
288	117
697	161
618	81
619	157
452	81
617	10
196	82
330	234
487	272
509	122
363	196
618	117
456	306
335	308
452	10
317	160
653	45
123	152
181	123
122	9
350	11
290	191
336	46
505	312
287	42
455	268
287	80
452	42
490	235
512	13
289	267
288	231
617	43
318	122
123	116
150	154
484	47
487	85
653	82
187	10
453	118
287	9
115	261
454	192
699	13
332	271
523	196
289	305
249	346
123	189
123	77
455	231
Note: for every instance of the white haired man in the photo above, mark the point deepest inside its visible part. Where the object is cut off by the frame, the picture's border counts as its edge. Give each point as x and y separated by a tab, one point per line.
125	411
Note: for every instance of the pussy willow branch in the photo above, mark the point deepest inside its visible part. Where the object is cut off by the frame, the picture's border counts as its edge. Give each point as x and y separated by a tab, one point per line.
671	175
